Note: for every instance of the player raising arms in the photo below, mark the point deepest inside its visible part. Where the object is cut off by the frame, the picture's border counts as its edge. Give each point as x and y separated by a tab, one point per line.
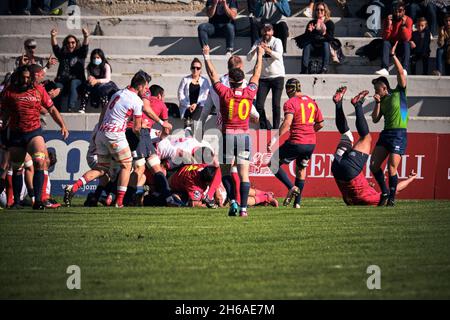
235	105
22	102
110	141
302	119
349	159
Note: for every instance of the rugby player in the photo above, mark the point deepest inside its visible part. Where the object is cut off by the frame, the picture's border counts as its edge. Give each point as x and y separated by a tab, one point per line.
302	119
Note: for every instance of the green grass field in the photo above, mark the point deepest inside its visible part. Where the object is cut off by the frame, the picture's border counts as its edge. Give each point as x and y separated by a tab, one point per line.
320	251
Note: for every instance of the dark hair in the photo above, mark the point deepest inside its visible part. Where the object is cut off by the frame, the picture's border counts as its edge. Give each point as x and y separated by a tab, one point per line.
139	79
293	85
145	75
382	80
155	90
233	62
66	40
101	54
399	4
7	79
237	75
15	84
195	60
421	19
35	68
207	174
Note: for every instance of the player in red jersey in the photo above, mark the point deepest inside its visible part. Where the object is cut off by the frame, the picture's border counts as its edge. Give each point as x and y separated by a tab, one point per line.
349	159
21	103
235	105
302	119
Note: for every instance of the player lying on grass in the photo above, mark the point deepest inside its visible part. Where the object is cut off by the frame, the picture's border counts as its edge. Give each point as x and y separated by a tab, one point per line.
349	158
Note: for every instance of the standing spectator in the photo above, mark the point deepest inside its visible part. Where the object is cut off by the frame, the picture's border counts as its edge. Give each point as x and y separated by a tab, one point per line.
274	12
193	93
272	76
397	27
222	14
317	37
98	85
420	46
71	64
424	8
29	57
443	51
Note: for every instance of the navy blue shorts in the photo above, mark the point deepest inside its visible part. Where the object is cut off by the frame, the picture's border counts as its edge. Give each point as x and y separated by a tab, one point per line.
349	165
393	140
289	152
21	139
236	146
142	146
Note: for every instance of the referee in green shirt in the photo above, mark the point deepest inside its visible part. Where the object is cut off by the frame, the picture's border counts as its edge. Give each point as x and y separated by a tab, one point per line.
392	105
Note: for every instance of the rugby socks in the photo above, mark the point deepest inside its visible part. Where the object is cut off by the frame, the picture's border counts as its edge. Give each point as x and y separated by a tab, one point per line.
80	183
229	186
393	181
300	184
45	195
282	176
215	184
341	121
162	185
237	184
2	181
245	189
361	123
120	195
9	188
17	184
379	176
38	182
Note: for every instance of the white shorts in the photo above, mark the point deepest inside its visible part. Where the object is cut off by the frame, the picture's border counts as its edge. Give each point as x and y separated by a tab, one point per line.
113	145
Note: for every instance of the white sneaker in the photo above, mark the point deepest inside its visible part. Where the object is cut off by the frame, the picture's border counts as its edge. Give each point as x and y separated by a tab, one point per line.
382	72
307	12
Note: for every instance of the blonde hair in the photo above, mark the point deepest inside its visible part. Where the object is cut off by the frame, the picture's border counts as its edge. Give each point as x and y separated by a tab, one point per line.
327	10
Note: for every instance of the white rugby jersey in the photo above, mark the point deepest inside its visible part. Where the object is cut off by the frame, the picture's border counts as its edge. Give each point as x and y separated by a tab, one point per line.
123	105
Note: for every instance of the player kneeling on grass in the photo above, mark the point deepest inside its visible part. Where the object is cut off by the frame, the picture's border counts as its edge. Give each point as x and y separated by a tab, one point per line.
110	141
349	159
302	119
235	105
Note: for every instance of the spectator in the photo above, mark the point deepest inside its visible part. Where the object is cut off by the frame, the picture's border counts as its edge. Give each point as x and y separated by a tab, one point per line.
396	28
308	11
443	50
98	86
29	57
317	37
424	8
193	92
420	46
274	12
71	65
222	14
272	76
47	8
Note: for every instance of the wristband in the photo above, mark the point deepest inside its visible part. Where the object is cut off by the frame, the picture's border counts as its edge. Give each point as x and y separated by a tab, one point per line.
161	122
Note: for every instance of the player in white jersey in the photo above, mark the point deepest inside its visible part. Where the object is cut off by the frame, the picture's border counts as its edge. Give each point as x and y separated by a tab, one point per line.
110	141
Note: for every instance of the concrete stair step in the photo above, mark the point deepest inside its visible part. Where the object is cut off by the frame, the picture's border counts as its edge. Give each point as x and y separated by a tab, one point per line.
180	64
182	45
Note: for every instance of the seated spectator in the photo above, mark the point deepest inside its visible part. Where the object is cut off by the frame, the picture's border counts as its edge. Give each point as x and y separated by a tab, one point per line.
98	87
193	93
443	50
222	14
420	46
396	28
424	8
273	12
272	76
308	11
317	37
71	65
29	57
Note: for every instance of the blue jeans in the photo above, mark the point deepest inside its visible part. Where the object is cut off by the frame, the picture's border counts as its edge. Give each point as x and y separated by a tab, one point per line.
206	30
73	93
403	47
306	55
440	59
47	4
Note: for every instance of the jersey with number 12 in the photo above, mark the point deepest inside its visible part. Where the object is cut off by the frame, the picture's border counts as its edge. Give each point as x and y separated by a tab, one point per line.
235	105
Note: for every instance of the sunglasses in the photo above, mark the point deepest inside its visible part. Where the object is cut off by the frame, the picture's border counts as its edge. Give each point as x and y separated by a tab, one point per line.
196	68
31	47
320	10
71	42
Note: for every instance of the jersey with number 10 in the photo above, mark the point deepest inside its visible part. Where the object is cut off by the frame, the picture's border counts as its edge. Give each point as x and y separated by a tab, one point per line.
306	115
235	105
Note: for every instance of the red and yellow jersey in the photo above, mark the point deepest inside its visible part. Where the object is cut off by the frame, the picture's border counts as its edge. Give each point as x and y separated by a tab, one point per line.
306	114
187	180
358	191
235	105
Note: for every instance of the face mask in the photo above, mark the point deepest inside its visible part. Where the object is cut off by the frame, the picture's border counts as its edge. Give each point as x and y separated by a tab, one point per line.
97	62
